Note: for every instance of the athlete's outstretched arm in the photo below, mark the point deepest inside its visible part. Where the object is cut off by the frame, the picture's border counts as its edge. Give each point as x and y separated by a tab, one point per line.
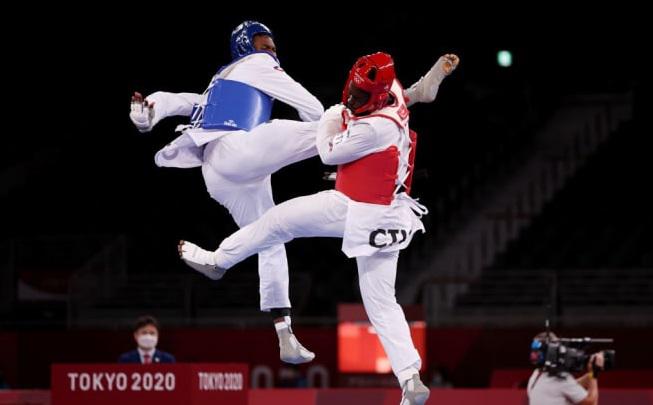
426	88
147	112
274	81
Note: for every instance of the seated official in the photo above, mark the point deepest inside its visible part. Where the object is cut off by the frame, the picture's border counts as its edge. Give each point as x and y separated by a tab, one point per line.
146	335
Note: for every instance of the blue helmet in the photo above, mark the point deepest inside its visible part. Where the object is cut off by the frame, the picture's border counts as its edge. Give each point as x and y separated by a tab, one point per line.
242	37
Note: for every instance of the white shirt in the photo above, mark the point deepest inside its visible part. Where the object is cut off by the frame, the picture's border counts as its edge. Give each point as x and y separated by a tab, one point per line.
361	138
544	389
259	70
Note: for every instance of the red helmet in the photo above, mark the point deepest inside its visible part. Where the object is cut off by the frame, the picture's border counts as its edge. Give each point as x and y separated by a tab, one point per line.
374	75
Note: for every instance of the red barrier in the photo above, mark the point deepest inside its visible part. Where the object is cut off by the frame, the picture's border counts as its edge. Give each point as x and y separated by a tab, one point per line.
467	355
518	378
354	396
162	384
24	397
366	397
438	396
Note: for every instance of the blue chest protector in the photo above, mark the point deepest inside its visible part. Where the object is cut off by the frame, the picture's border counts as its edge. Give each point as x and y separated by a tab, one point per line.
233	105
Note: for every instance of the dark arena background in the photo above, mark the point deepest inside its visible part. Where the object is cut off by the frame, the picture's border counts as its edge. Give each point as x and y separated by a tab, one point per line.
535	162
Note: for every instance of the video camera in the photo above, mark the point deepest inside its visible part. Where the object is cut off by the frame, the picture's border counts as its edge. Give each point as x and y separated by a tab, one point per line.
556	356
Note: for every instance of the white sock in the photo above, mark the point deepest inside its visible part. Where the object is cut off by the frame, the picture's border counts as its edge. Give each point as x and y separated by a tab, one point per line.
279	326
406	374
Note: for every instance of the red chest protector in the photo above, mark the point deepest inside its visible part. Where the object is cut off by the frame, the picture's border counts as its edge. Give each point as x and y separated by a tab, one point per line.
371	179
374	178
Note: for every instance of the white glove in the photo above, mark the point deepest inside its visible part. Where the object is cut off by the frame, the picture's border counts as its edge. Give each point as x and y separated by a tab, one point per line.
331	121
448	63
426	88
330	125
334	112
141	113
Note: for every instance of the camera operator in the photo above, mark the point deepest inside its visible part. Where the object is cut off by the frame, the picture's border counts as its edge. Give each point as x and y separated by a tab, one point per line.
560	388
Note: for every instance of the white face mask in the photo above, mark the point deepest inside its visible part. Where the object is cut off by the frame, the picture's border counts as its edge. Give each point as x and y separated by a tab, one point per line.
147	341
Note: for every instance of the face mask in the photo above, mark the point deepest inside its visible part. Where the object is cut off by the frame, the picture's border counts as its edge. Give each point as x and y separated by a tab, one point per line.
147	341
